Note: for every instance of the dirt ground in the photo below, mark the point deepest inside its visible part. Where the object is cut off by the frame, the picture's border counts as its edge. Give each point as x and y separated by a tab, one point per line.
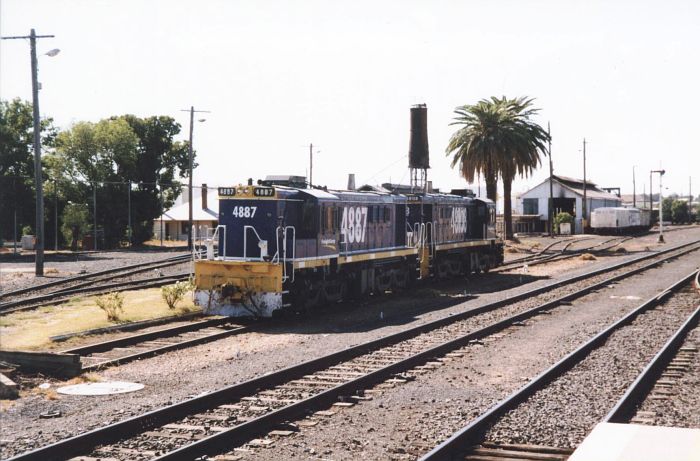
179	375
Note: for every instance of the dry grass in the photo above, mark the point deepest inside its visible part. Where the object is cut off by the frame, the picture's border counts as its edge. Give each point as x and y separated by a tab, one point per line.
587	257
32	329
6	405
48	394
84	378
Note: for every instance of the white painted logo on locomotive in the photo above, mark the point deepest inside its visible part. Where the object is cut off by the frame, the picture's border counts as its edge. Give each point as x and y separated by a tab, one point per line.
459	220
353	226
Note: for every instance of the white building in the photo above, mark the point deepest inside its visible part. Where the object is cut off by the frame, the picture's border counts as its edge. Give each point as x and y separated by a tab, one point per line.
568	197
174	223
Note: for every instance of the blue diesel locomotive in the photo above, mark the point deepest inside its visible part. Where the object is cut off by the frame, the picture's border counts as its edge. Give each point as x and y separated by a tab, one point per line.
282	245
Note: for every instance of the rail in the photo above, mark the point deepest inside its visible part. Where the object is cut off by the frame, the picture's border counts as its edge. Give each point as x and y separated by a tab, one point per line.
466	436
646	379
246	430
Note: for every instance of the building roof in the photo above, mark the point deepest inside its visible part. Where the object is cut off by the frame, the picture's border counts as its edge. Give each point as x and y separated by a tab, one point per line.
181	212
576	186
573	182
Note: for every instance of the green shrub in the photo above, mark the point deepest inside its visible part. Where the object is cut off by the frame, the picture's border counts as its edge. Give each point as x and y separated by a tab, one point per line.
562	217
27	230
173	294
112	304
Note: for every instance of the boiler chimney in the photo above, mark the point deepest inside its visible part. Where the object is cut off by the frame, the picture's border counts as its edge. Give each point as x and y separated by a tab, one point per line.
351	181
204	196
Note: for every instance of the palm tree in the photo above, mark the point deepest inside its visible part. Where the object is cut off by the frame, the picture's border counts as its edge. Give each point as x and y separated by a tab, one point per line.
497	138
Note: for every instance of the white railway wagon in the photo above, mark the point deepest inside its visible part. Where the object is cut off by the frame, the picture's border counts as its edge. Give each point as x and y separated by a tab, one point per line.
619	220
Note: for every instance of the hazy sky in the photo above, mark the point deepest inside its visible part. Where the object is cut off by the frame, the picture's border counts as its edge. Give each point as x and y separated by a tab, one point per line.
277	75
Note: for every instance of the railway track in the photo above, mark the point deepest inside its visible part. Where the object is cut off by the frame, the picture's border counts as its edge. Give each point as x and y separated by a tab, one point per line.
231	416
545	257
108	280
666	390
548	416
104	354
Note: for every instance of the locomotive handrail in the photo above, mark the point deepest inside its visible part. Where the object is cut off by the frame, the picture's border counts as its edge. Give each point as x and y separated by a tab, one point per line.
284	250
246	228
215	235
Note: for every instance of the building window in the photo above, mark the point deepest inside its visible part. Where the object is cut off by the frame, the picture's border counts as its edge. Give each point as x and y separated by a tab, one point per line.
530	206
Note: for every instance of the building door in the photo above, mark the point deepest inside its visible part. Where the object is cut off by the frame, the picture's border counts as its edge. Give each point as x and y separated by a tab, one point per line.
567	205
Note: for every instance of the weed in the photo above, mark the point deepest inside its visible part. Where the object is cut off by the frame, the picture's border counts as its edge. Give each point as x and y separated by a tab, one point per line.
112	304
172	294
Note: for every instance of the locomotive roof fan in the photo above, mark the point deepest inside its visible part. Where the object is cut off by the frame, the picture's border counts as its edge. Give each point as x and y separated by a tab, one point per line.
418	156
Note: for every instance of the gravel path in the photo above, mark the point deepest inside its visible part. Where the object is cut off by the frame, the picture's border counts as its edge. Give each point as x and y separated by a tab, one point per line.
176	376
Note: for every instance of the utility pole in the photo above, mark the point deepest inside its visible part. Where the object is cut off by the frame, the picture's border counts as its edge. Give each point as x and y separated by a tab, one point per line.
38	182
129	207
550	210
189	196
311	164
94	215
661	206
634	187
651	195
55	215
584	207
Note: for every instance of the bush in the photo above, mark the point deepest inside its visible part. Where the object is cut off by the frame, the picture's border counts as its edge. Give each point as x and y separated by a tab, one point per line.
562	217
172	294
680	212
112	304
75	222
27	230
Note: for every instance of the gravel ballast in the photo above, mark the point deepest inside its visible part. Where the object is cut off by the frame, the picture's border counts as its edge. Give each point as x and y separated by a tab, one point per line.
175	376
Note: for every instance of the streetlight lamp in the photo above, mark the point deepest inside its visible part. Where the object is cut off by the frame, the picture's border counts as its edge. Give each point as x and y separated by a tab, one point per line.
661	205
39	269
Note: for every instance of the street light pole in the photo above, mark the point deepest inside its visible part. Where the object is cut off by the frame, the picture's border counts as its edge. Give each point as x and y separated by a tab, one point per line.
191	156
38	184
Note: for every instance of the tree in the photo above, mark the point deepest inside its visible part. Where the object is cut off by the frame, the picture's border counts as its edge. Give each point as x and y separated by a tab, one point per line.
497	138
159	159
17	197
107	155
679	211
667	206
75	222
